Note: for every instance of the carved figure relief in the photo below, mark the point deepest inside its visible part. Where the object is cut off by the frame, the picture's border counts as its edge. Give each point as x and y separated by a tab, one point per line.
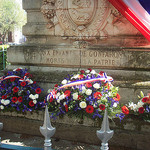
79	19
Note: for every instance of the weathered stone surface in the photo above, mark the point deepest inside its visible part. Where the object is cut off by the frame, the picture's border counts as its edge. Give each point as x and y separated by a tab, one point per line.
35	28
32	4
35	16
63	56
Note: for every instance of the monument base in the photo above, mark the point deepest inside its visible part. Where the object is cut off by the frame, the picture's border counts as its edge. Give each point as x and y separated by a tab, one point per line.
132	133
129	67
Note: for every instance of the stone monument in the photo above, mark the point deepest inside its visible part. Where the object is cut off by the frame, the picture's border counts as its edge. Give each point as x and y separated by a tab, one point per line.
64	36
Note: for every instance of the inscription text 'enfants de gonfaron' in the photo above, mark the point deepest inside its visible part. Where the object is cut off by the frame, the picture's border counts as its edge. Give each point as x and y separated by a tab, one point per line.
81	57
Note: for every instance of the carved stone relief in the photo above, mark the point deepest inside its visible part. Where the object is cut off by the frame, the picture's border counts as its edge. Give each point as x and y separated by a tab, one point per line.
79	19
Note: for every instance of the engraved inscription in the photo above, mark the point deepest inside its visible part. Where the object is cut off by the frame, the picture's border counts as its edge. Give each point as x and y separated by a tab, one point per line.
60	57
102	58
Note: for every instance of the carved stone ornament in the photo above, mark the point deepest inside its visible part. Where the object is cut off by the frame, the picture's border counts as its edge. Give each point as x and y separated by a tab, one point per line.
79	19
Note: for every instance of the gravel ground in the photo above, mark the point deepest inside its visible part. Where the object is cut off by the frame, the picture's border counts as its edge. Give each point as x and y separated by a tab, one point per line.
35	141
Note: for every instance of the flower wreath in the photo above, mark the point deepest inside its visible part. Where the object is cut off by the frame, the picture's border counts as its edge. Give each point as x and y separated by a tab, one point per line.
86	93
18	92
140	109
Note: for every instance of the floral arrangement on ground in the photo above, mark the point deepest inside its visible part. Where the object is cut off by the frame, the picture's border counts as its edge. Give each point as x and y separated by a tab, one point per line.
141	109
18	92
86	93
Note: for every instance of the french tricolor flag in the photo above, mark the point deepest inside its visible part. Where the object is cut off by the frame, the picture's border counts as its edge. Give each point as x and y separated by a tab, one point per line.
137	12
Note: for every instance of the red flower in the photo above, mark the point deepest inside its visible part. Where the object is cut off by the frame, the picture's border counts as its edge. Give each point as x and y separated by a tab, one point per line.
145	99
82	71
4	96
125	110
14	99
66	108
67	93
90	69
141	110
97	95
20	99
34	82
18	69
81	76
80	97
23	83
102	107
38	91
15	89
31	103
117	98
51	99
89	109
101	73
107	85
12	79
28	75
56	85
88	84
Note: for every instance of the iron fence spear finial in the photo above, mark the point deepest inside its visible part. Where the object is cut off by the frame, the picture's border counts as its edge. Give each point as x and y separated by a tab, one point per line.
105	134
47	130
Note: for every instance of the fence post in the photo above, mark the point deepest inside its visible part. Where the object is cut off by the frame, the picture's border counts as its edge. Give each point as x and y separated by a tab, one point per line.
47	130
105	134
3	57
1	127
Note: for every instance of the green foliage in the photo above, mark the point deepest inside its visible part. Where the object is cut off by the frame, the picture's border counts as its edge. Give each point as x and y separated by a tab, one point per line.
3	56
5	47
11	16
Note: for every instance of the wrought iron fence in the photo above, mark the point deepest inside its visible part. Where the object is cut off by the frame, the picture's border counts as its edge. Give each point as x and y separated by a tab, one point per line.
104	134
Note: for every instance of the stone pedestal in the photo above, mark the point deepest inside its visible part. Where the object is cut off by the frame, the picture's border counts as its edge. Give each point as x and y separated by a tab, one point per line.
64	36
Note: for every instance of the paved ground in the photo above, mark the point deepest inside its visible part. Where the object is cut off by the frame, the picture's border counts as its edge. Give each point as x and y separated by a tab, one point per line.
34	141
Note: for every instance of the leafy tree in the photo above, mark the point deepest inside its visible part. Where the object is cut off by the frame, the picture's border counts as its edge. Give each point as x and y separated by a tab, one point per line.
11	16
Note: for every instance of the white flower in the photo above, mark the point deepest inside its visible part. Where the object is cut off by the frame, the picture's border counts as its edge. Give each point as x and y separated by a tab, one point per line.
58	100
5	102
64	81
49	91
82	104
2	101
88	92
95	105
132	106
83	89
99	101
34	101
75	96
30	81
61	97
31	96
87	71
93	72
75	76
36	96
1	107
96	85
64	103
115	105
140	104
58	94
